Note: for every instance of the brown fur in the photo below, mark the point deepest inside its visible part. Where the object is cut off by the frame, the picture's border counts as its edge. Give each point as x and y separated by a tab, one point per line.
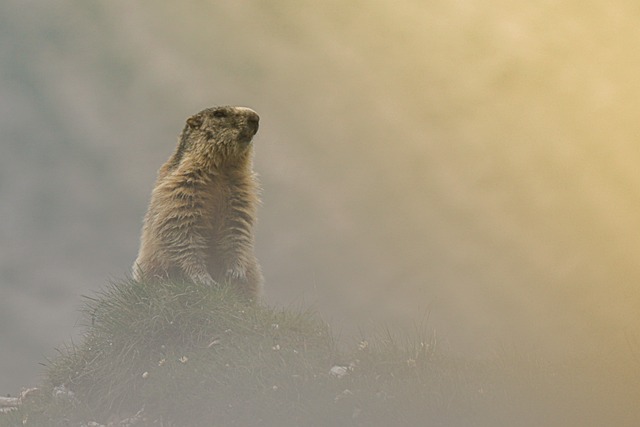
199	225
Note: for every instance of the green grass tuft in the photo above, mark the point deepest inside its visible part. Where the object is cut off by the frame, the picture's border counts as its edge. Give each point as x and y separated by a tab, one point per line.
183	351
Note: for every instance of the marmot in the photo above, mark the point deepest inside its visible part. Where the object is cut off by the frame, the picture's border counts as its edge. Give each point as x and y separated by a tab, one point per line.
199	225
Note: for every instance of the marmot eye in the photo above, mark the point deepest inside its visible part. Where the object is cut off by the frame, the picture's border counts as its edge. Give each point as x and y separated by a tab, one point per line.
219	114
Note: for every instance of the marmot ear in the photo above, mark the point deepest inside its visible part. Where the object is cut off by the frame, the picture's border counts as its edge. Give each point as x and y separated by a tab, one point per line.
195	121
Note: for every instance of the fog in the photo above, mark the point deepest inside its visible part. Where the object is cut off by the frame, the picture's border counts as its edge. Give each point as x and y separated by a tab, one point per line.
471	165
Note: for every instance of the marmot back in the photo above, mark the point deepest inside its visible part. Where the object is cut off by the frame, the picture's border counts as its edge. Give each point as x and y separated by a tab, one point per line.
199	225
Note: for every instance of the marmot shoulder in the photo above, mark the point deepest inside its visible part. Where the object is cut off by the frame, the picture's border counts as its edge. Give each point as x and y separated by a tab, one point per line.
199	224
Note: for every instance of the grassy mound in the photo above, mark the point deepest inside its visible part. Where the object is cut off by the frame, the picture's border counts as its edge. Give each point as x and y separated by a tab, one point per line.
182	352
179	354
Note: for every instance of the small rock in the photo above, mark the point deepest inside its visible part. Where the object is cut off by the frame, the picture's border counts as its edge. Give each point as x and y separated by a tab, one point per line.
61	393
339	371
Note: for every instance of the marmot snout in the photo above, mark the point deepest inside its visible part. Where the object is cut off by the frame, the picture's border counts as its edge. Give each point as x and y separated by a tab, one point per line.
199	225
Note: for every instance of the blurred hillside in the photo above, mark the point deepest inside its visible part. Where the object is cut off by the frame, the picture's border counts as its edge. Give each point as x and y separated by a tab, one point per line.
471	160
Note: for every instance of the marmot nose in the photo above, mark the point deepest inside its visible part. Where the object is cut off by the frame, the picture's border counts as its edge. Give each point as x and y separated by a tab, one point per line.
251	116
253	120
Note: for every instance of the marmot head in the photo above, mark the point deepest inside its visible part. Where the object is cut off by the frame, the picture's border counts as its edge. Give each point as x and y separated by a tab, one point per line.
221	135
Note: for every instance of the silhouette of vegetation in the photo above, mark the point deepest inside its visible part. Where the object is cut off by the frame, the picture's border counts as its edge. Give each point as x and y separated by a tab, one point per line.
178	354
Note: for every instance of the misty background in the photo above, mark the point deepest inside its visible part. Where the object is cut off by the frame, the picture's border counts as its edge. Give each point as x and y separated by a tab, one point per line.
469	165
